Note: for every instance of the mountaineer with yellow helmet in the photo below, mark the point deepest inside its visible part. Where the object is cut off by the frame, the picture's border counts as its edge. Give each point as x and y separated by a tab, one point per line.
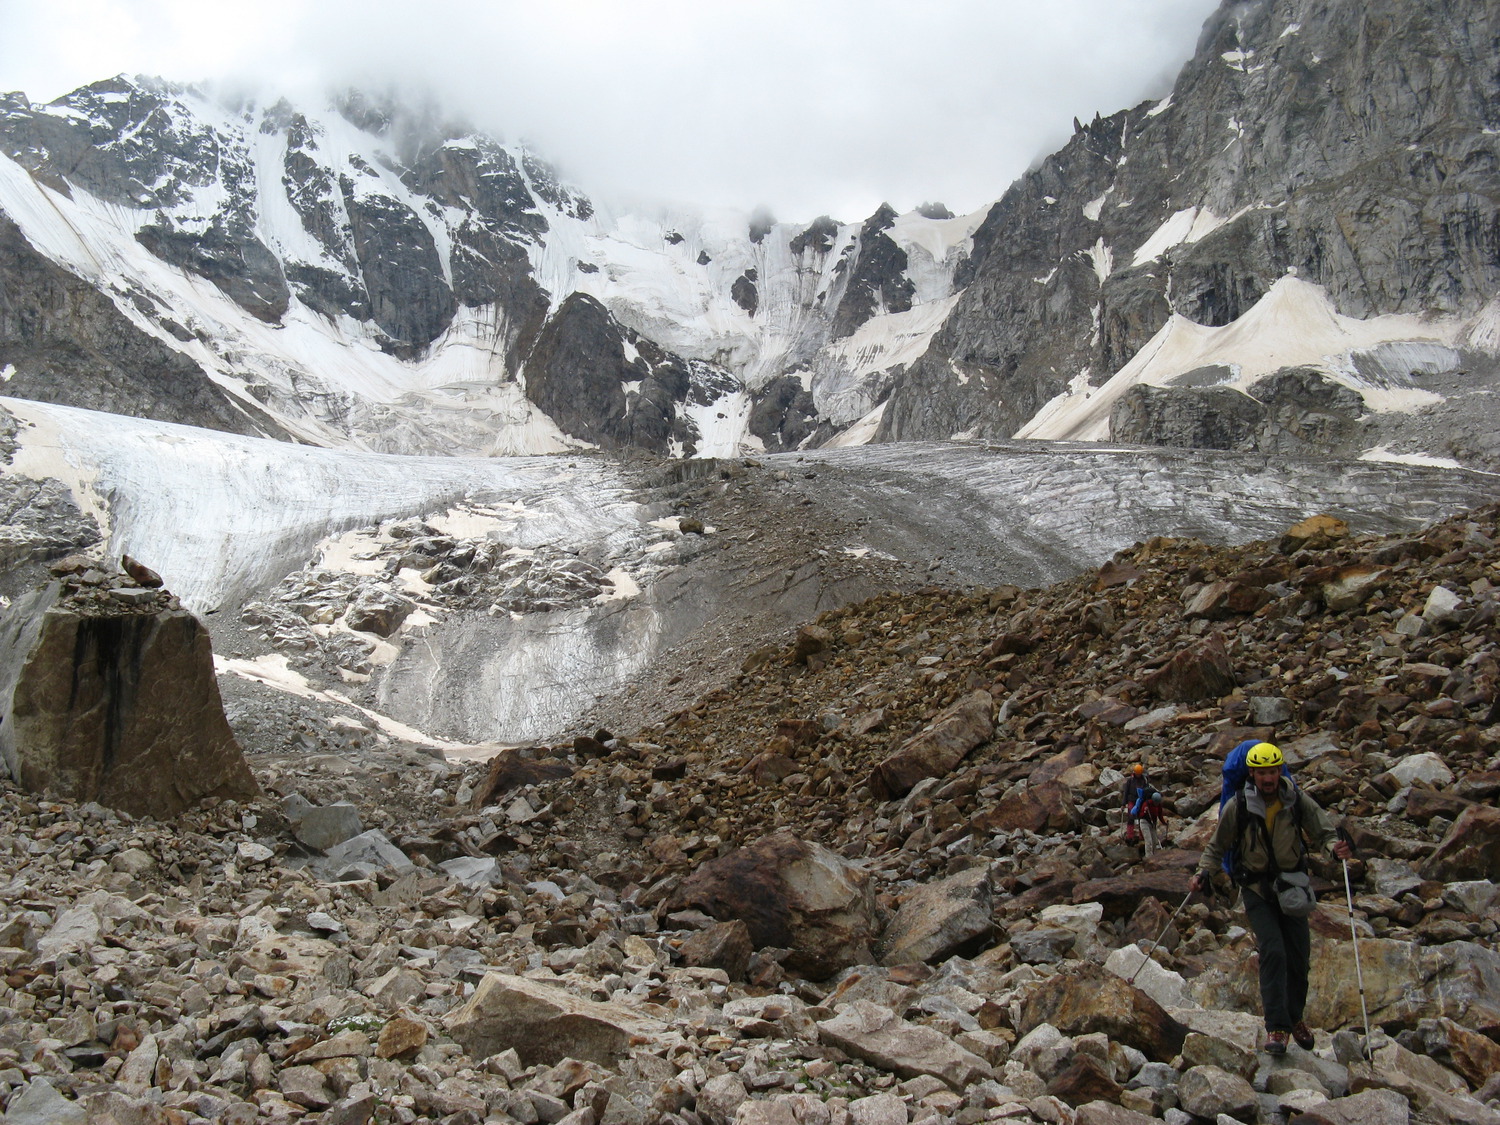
1266	826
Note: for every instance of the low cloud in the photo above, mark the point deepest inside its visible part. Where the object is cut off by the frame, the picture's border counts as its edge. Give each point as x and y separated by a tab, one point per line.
819	106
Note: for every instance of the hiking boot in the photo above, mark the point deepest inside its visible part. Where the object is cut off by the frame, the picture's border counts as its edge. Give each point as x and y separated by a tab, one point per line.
1302	1035
1276	1043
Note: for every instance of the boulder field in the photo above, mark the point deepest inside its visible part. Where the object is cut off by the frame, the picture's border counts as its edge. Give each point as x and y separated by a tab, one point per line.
876	876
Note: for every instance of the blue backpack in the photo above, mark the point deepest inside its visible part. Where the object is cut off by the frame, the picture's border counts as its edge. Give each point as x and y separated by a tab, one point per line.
1235	773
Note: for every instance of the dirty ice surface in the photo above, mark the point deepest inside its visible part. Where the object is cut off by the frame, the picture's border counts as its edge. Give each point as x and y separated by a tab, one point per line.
218	515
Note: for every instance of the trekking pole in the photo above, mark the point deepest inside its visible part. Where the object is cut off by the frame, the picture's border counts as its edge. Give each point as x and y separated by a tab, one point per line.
1154	944
1359	974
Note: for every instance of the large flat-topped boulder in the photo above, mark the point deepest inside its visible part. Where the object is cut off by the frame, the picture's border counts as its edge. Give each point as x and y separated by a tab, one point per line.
108	694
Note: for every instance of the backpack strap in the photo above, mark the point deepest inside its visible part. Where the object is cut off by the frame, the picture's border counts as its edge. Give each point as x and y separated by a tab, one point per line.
1241	823
1295	812
1297	823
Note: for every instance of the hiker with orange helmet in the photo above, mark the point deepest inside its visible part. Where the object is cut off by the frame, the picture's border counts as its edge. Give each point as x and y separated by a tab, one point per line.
1264	829
1136	786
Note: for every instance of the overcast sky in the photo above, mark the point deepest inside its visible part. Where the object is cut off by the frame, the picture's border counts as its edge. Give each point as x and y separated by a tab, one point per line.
805	106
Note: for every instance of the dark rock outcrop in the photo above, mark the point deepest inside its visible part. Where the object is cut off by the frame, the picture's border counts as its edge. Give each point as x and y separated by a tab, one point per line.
744	293
68	343
784	414
578	373
878	281
1297	412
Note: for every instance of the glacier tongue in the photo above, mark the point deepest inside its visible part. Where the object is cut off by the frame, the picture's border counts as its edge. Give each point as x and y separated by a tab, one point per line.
220	516
224	519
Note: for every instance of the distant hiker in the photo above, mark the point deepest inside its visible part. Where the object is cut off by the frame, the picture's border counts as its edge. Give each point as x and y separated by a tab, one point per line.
1264	827
1135	794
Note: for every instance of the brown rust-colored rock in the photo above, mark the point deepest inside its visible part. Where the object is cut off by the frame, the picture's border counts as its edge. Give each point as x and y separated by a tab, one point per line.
1087	998
1123	894
1085	1079
1470	850
935	751
725	946
545	1024
1315	533
512	768
812	641
1219	600
1037	808
122	708
1199	672
792	895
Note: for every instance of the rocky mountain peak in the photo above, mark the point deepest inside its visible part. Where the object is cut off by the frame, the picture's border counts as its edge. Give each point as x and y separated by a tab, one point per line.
1343	148
1263	162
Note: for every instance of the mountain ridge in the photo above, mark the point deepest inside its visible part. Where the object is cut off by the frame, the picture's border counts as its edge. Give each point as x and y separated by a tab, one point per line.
380	276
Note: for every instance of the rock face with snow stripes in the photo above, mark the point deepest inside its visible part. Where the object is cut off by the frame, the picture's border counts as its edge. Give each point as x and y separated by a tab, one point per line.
62	340
1349	145
428	281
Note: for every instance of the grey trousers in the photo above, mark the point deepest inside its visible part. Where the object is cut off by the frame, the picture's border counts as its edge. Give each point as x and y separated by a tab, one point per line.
1285	948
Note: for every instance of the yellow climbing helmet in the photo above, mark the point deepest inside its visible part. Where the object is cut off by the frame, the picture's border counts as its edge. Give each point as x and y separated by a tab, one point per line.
1264	755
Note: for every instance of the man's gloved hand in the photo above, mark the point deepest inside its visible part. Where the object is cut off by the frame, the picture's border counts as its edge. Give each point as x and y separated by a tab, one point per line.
1344	848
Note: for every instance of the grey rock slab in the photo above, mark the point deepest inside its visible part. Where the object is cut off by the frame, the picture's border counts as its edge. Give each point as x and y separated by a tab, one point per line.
473	871
76	928
1474	896
294	806
1368	1107
938	919
720	1097
1442	607
306	1086
324	826
1426	767
368	849
1043	1050
1045	945
1166	987
879	1109
935	751
1205	1050
883	1039
785	1109
39	1103
1107	1113
1207	1091
1390	877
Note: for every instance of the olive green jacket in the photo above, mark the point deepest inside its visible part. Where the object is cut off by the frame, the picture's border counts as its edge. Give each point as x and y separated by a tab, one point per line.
1317	826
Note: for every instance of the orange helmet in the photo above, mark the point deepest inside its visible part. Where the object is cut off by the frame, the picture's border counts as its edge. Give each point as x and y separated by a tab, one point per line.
1138	769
